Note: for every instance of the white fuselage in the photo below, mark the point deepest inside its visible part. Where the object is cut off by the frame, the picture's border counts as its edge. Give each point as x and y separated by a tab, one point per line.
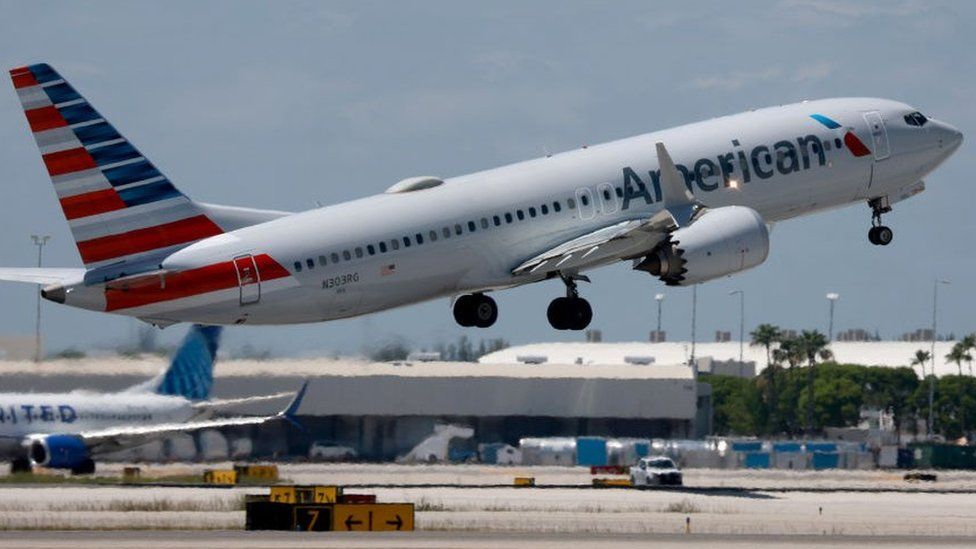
778	161
26	414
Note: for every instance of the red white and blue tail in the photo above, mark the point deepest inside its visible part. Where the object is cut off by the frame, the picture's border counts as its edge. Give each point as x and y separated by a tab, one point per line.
120	208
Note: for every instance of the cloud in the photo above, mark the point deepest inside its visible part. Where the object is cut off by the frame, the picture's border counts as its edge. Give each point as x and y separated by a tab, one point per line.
744	79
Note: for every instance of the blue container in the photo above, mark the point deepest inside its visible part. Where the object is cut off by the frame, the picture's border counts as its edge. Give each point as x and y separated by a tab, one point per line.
643	449
591	451
787	447
825	460
747	446
825	447
757	460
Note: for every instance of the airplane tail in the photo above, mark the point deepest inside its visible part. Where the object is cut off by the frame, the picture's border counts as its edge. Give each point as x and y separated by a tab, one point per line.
190	372
121	209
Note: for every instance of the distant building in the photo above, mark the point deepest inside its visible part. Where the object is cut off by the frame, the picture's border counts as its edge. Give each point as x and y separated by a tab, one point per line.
722	337
658	336
856	334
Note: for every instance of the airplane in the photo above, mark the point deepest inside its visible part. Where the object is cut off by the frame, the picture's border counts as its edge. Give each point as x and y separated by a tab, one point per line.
687	205
69	430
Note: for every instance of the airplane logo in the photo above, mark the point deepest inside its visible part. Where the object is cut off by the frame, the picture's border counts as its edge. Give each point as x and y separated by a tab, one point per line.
855	145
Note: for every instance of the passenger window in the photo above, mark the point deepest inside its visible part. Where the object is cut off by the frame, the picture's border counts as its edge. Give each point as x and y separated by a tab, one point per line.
497	220
395	244
406	242
298	266
532	212
837	144
382	247
335	257
544	209
508	217
606	194
310	262
370	249
446	232
346	255
619	191
420	238
322	260
359	252
520	214
826	145
557	207
433	236
458	230
471	226
571	203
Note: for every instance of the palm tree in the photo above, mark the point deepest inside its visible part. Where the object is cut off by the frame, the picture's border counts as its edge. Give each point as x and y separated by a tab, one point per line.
920	358
813	345
958	354
789	351
768	335
969	343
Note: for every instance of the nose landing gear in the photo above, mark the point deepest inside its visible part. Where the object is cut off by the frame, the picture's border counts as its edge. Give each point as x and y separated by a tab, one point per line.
571	312
879	234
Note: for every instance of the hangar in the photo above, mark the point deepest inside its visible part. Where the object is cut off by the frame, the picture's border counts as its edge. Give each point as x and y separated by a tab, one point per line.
384	409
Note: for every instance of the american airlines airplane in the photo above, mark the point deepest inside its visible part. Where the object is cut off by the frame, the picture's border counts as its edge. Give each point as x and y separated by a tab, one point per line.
68	430
686	205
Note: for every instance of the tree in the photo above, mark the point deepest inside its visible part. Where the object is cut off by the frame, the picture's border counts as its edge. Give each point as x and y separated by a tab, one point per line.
959	354
969	343
920	358
768	335
813	345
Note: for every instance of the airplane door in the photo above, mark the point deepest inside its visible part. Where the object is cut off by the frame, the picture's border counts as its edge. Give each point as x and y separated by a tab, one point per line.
248	279
584	201
879	135
608	198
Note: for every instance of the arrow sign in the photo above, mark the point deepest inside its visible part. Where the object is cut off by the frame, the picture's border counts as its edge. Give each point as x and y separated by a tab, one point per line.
398	522
349	522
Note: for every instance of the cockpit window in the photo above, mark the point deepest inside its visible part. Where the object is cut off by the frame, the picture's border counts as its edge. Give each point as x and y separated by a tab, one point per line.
915	119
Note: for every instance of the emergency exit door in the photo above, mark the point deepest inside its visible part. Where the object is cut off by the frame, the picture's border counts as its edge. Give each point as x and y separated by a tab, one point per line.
248	279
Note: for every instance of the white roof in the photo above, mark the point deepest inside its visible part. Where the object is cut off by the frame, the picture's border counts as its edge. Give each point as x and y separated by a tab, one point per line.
870	353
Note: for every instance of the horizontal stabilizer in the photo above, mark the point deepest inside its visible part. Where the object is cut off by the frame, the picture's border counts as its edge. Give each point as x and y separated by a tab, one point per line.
41	275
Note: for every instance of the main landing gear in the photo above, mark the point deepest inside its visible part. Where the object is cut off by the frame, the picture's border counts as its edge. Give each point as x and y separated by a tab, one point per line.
475	310
571	312
879	235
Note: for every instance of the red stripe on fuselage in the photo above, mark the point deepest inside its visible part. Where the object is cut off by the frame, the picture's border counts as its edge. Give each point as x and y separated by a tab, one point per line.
84	205
855	145
44	118
211	278
69	161
151	238
22	77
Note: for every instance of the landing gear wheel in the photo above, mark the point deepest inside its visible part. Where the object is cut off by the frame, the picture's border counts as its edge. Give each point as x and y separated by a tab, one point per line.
86	467
475	310
879	235
20	465
883	235
556	313
569	313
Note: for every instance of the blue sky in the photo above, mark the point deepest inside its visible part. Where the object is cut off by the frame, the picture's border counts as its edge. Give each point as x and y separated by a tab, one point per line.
285	104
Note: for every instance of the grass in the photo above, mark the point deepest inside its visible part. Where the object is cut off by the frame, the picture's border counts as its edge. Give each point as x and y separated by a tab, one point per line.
685	506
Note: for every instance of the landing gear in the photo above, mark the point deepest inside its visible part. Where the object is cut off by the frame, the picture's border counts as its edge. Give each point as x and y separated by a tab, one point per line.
879	235
571	312
475	310
20	465
86	467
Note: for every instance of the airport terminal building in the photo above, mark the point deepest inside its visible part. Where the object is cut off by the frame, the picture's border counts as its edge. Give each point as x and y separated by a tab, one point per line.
382	410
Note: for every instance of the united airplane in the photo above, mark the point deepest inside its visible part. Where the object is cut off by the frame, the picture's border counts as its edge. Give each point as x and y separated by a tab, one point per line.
70	430
686	205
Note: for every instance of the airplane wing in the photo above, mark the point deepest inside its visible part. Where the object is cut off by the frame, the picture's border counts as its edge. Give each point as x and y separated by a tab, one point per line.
215	403
119	438
41	275
626	239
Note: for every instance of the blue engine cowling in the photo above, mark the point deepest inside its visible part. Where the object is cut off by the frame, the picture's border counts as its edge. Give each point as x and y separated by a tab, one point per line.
59	451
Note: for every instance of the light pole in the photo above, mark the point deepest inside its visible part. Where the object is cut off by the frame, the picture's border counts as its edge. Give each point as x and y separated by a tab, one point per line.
694	309
659	298
935	317
39	241
742	323
832	298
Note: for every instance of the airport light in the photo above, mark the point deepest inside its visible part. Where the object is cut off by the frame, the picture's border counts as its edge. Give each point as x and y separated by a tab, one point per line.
742	324
694	309
40	241
935	317
659	298
832	298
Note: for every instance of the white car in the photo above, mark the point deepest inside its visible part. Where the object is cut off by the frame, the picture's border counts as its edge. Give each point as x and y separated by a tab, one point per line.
655	471
329	451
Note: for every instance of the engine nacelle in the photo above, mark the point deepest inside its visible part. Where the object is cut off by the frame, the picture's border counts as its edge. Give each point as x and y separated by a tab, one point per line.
59	451
720	242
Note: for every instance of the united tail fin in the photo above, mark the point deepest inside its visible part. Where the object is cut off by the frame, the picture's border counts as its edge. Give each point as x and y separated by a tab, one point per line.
190	372
120	207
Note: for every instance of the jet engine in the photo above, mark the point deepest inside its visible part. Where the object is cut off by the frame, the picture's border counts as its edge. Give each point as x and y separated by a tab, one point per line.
60	452
720	242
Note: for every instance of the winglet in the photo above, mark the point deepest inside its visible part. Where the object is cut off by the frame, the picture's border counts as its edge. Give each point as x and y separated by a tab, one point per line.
678	200
290	413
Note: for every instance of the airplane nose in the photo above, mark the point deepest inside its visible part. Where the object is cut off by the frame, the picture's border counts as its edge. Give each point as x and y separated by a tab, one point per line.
949	137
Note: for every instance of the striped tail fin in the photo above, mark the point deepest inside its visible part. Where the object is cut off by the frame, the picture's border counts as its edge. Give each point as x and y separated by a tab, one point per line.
120	208
190	372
